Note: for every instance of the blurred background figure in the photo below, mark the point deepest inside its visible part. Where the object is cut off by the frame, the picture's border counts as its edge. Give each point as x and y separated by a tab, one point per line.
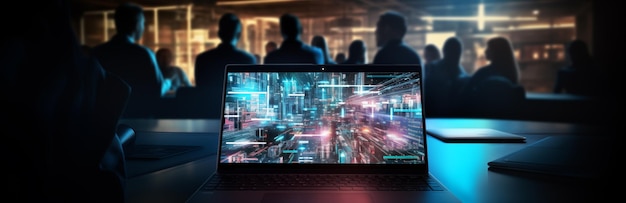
178	77
292	49
390	30
134	63
431	54
320	42
270	46
357	53
211	64
579	76
210	68
494	89
444	78
340	58
499	53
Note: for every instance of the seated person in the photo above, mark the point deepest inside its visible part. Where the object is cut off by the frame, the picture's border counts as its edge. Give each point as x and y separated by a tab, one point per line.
580	76
174	73
494	89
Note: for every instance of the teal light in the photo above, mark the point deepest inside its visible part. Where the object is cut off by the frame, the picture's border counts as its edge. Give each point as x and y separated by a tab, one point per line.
453	163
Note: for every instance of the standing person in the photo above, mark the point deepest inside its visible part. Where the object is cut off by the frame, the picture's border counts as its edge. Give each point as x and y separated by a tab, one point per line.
431	54
444	78
357	53
179	78
210	65
320	42
292	49
134	63
390	30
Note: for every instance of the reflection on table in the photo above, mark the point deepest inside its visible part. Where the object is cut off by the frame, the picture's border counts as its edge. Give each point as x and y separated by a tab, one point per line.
462	167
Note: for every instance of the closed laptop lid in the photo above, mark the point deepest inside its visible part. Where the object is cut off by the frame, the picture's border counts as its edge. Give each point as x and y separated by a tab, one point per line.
322	119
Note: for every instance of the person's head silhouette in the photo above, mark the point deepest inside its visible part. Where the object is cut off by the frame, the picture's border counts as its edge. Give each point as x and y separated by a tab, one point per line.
164	57
320	42
129	20
340	57
229	28
431	53
499	52
290	26
452	49
578	54
270	46
356	51
391	26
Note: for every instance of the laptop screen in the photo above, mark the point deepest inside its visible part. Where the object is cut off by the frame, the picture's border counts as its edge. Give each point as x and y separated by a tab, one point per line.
322	114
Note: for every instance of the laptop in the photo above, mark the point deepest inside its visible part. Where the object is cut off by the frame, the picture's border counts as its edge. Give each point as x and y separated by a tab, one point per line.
322	133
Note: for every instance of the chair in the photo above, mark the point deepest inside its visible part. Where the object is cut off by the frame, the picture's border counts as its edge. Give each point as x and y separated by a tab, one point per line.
113	96
496	97
71	156
194	102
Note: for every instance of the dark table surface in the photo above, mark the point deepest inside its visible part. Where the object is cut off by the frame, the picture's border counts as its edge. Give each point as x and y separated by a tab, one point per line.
461	167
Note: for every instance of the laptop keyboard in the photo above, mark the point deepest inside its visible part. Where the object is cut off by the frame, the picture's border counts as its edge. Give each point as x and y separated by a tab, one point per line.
323	182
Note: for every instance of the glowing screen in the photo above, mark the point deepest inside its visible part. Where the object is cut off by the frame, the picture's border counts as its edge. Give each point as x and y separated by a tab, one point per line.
323	117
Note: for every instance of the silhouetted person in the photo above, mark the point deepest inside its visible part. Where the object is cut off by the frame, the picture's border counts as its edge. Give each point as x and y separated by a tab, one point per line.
495	88
357	53
390	30
502	62
579	76
320	42
211	64
431	54
444	79
134	63
59	117
292	49
340	58
178	77
270	46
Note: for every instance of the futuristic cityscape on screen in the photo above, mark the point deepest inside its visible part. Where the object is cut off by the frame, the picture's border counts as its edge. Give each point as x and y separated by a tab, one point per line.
323	117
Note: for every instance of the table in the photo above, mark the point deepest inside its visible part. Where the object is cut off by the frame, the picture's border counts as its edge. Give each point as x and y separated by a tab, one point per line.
461	167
